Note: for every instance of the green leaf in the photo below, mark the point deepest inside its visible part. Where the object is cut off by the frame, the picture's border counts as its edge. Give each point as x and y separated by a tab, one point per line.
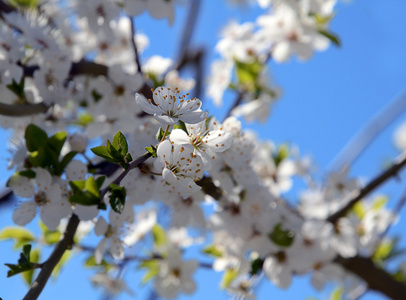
120	143
213	250
159	234
117	197
248	73
24	4
183	126
85	119
18	88
379	203
77	185
34	258
331	36
228	277
359	209
24	263
49	237
34	137
382	252
91	263
99	181
66	160
87	192
26	173
96	96
159	135
103	152
256	266
280	237
336	294
152	267
19	235
62	262
151	150
399	276
56	141
281	154
92	187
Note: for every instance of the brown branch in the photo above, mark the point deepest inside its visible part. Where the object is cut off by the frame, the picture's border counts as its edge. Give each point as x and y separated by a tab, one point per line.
5	8
134	45
188	31
377	279
376	182
209	188
49	265
19	110
134	164
236	103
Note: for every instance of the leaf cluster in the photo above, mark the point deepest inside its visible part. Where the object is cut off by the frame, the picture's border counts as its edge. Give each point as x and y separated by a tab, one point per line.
45	151
87	192
116	152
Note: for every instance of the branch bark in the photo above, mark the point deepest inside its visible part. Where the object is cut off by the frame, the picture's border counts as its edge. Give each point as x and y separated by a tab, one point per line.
376	182
46	271
377	279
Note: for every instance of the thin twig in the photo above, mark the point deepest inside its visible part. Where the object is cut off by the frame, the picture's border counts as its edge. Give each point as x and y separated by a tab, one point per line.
134	164
19	110
237	102
49	265
364	137
134	45
376	278
396	211
376	182
188	28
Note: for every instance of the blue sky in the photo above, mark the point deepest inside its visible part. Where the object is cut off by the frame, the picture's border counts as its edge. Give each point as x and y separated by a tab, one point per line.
325	102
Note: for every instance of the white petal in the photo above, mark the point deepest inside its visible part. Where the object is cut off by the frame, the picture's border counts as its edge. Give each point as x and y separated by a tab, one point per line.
116	248
145	105
25	213
85	212
100	250
100	227
178	136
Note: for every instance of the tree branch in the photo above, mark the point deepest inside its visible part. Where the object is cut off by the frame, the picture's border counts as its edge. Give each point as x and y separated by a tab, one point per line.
134	45
364	137
188	31
48	266
134	164
377	279
20	110
237	102
376	182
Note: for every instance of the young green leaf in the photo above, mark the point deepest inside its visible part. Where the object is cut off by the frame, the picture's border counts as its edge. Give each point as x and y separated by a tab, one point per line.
20	235
151	150
281	237
117	197
34	137
159	234
24	263
120	142
34	258
213	250
152	267
331	36
228	277
103	152
56	141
